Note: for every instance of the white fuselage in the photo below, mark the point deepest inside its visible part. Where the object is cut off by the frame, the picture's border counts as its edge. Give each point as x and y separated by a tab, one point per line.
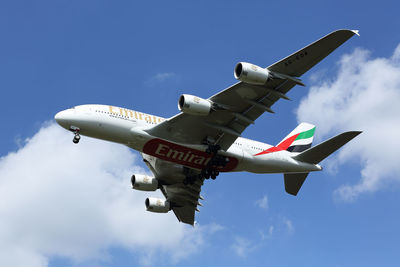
128	127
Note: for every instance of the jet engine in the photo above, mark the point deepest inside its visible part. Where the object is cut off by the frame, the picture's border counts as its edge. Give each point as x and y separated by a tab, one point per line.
250	73
144	183
194	105
157	205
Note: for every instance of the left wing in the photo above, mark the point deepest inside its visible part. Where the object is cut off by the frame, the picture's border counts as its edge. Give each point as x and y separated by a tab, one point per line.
184	199
243	103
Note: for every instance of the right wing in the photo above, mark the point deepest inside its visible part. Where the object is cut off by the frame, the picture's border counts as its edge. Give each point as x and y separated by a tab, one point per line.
294	65
247	102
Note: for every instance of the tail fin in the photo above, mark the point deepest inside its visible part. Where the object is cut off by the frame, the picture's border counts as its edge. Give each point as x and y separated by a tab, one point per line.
320	152
299	140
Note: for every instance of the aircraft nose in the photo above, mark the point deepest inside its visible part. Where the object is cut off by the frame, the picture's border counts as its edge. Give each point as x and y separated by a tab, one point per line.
60	117
63	118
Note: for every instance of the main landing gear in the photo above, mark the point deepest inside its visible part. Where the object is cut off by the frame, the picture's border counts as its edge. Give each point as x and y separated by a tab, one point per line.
211	170
216	162
213	149
77	136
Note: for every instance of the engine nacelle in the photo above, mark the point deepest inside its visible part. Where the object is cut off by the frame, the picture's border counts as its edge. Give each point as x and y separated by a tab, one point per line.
250	73
144	182
194	105
157	205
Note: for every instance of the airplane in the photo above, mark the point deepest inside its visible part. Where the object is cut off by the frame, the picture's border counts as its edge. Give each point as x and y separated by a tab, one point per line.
204	138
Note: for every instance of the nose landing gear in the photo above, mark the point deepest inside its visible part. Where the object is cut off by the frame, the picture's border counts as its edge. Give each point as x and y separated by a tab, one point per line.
77	136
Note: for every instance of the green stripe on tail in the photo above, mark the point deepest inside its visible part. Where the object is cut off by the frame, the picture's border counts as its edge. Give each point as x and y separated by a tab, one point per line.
306	134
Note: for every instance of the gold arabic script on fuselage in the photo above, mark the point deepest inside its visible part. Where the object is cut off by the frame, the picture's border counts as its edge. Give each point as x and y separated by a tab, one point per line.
134	114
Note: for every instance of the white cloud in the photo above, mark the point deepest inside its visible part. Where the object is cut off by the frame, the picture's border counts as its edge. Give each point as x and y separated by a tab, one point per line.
270	230
267	234
289	225
75	201
160	77
214	227
263	202
164	76
242	246
365	96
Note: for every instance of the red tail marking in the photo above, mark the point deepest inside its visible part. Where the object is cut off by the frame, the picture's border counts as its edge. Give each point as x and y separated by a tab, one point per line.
282	145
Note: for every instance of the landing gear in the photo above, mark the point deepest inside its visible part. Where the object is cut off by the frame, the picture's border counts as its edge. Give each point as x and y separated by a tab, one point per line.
205	174
77	136
216	163
211	170
213	149
214	173
76	139
209	173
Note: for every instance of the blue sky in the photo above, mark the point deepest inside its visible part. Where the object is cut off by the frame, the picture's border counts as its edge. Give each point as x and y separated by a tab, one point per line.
143	55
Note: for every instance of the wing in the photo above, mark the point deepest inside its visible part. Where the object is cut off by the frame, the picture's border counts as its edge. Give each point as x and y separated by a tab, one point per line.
247	102
184	199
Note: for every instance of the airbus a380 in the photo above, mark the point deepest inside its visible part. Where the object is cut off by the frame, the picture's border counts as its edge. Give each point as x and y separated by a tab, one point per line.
204	139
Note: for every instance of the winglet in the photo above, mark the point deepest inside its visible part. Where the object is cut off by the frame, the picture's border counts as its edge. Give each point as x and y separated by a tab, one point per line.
356	32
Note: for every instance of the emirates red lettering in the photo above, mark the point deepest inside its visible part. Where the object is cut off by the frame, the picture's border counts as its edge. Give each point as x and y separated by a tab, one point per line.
186	156
163	150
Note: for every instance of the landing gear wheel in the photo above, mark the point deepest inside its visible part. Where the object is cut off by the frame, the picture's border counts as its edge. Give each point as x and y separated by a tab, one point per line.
214	174
208	174
76	139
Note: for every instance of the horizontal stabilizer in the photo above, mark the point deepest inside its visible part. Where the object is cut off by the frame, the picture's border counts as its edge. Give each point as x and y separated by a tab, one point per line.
318	153
294	181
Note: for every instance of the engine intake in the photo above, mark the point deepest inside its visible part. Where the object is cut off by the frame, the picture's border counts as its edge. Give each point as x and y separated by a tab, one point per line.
194	105
157	205
250	73
144	183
